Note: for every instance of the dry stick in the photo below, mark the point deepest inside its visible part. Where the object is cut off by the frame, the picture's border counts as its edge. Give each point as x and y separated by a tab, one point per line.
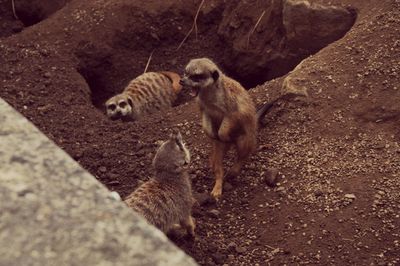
13	9
268	246
194	26
148	61
255	27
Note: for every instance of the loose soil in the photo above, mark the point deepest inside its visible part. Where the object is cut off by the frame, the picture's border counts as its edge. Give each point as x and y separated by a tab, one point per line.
337	153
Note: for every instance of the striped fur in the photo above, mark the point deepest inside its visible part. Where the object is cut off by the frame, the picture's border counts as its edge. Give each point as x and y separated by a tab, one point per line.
146	93
166	199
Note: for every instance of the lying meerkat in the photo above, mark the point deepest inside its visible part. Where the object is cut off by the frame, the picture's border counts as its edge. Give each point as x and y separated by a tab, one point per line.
146	93
166	199
228	114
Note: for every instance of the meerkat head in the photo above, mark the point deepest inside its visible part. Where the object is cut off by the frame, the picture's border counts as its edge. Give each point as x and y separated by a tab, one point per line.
200	73
172	155
119	106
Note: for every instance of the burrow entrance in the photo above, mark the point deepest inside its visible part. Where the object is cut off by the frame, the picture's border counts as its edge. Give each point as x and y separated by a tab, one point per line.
250	46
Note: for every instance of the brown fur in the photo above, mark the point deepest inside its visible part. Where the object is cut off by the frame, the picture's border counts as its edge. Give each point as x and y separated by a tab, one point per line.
146	93
166	199
228	116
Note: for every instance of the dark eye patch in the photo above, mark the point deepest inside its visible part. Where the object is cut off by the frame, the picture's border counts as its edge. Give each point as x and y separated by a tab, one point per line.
197	77
122	104
179	144
112	107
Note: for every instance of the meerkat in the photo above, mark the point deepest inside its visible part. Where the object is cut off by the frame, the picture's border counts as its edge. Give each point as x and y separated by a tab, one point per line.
166	199
228	115
146	93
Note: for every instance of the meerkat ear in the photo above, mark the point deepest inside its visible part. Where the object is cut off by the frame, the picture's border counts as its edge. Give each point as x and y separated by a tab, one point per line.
177	136
215	75
130	102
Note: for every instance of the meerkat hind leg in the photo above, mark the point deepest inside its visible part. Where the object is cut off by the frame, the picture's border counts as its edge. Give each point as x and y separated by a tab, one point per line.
225	129
189	225
245	145
218	152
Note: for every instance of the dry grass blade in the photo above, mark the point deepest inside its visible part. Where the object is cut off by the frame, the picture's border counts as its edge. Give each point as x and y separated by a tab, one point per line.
148	62
194	26
254	28
13	9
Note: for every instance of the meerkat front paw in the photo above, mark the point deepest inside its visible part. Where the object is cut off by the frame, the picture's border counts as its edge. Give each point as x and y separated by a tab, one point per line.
216	193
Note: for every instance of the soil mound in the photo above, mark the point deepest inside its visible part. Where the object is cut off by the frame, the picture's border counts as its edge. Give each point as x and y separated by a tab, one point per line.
334	197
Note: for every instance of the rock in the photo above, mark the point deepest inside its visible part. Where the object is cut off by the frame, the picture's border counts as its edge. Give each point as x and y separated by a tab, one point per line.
47	75
271	177
55	192
202	198
102	169
297	29
231	246
214	213
227	186
113	183
241	250
318	24
350	197
318	193
218	257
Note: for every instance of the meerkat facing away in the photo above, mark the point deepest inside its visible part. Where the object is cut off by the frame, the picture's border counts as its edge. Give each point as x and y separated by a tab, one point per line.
228	115
166	199
146	93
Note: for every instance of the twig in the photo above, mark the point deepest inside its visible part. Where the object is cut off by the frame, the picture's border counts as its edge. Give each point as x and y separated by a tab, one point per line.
255	27
194	26
13	9
268	246
148	62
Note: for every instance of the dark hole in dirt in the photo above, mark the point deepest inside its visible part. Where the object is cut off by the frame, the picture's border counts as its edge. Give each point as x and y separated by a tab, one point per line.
30	12
9	25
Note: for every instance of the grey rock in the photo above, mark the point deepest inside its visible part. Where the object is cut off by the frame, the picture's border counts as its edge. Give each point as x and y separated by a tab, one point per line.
53	212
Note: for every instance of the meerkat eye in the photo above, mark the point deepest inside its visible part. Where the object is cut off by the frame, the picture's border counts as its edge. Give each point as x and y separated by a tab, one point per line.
122	104
197	77
111	107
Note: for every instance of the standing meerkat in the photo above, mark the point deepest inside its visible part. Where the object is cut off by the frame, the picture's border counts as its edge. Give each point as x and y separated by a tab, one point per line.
166	199
146	93
228	114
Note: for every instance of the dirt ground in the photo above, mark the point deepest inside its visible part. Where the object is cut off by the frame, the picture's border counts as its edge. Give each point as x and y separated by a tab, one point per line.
337	153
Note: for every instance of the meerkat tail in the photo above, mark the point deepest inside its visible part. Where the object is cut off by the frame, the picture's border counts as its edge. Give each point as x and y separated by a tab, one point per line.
267	106
264	110
175	78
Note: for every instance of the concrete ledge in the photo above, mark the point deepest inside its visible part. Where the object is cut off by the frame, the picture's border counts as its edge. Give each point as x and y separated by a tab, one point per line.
53	212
